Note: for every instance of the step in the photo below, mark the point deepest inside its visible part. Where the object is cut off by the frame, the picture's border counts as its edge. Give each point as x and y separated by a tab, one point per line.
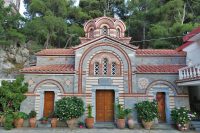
195	122
163	126
44	125
107	125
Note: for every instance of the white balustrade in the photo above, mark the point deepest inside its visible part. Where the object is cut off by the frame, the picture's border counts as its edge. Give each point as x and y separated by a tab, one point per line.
189	72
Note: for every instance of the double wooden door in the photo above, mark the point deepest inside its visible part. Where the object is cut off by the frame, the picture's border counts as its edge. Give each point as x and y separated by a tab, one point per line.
160	97
48	103
104	106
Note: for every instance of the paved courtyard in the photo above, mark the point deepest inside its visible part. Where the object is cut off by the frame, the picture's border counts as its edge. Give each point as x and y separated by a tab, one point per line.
67	130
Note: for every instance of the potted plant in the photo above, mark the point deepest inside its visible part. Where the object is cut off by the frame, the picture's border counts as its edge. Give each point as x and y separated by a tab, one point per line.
182	117
44	120
54	120
32	119
121	114
81	124
147	111
90	119
69	109
19	118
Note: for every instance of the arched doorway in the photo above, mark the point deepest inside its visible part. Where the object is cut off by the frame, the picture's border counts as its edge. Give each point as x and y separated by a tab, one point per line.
160	98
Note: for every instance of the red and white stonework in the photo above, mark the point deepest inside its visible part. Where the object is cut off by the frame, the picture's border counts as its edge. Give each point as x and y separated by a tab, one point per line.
104	60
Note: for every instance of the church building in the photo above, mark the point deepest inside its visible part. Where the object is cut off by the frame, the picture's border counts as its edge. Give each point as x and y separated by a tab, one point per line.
105	69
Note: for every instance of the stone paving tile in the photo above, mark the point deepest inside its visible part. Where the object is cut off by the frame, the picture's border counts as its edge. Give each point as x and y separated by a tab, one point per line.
67	130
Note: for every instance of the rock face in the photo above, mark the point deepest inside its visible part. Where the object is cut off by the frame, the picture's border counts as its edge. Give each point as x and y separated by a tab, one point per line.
12	59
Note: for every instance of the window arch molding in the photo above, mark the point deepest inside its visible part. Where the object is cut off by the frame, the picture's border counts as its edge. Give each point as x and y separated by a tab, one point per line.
105	66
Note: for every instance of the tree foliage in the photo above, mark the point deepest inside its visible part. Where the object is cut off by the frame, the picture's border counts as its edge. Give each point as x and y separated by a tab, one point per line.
10	21
12	94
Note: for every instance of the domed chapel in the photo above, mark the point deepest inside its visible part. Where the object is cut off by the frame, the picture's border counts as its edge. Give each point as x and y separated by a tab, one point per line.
105	69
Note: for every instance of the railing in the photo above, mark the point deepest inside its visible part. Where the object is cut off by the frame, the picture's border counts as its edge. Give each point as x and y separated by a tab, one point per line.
10	80
189	72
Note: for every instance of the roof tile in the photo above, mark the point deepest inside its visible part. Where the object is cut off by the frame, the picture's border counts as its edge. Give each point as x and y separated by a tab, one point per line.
50	69
159	52
158	68
55	52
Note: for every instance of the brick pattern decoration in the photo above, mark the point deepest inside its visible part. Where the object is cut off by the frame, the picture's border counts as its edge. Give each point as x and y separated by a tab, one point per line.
56	52
158	68
159	52
50	69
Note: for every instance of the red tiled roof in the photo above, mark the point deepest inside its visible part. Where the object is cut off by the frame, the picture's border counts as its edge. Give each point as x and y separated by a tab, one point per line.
191	34
158	68
159	52
50	69
180	48
55	52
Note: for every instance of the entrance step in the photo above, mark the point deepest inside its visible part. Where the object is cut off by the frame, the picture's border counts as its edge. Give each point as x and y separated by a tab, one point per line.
195	125
43	125
107	125
163	126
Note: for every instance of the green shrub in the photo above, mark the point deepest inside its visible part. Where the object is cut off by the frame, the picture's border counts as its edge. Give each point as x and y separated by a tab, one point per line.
89	108
32	114
9	118
18	115
122	112
147	110
182	115
69	107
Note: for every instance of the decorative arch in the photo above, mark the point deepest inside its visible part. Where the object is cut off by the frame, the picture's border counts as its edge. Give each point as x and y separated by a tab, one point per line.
111	56
105	20
161	82
49	81
80	72
89	24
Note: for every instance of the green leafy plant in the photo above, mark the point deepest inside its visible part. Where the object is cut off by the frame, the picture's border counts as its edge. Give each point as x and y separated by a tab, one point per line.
32	114
147	110
18	115
12	94
44	119
122	112
69	107
182	116
9	118
53	115
89	108
81	124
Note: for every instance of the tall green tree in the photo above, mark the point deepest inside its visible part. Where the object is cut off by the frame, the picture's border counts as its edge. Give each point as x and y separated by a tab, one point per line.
10	26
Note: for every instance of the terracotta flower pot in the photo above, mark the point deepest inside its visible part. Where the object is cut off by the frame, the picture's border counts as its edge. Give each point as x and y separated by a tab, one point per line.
89	122
32	122
73	123
183	127
147	125
19	123
121	123
131	123
54	122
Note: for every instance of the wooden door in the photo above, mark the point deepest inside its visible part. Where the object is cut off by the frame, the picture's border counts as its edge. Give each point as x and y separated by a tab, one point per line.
48	103
160	97
104	106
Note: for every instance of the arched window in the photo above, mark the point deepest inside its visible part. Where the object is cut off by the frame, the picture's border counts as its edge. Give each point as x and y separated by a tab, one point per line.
118	32
105	66
96	68
91	33
104	30
113	68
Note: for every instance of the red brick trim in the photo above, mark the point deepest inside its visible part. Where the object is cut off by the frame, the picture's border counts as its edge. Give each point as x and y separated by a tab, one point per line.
99	45
52	81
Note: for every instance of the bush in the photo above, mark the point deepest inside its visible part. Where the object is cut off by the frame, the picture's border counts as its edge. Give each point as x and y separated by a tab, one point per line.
9	118
18	115
147	111
182	115
32	114
122	112
69	107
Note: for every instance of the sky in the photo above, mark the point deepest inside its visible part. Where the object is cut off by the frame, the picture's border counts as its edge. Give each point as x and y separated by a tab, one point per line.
22	8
